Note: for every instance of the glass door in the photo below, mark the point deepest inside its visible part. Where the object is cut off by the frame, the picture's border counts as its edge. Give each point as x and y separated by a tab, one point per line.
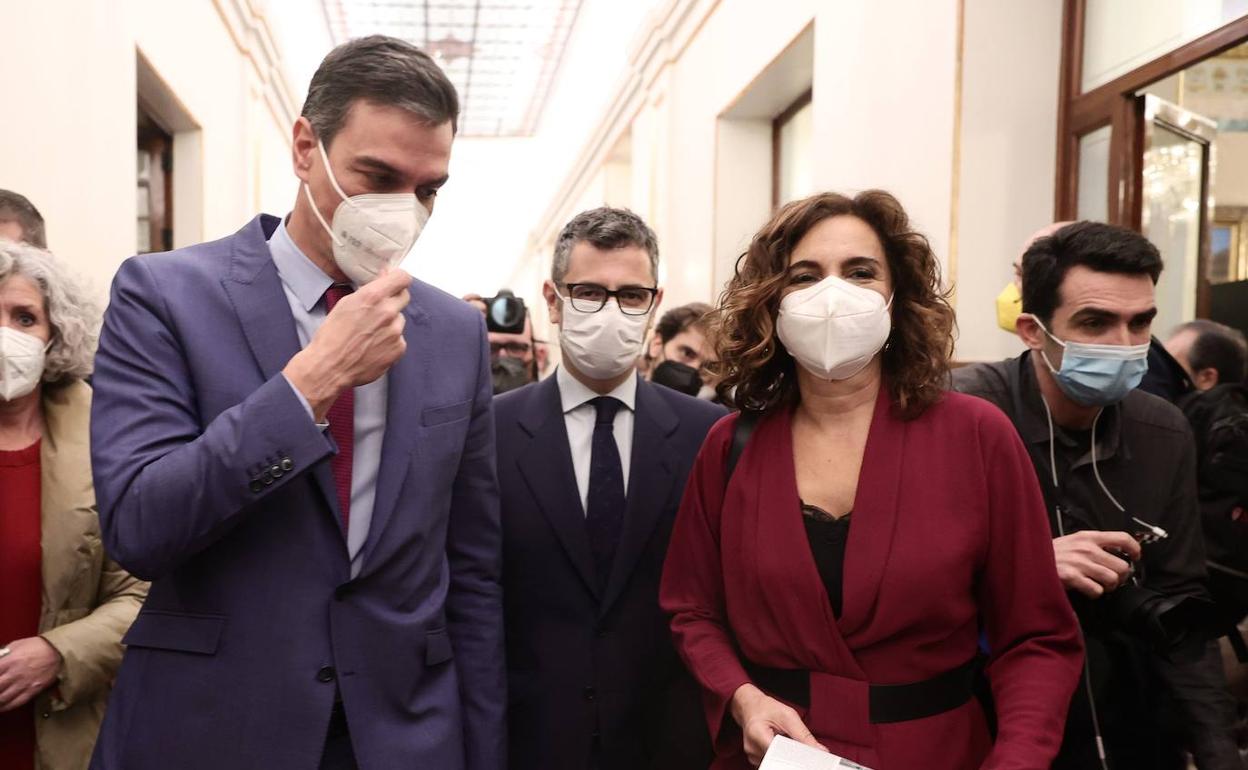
1176	176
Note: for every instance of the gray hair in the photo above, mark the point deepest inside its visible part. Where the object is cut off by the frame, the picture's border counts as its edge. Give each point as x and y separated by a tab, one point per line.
15	207
73	314
604	228
383	70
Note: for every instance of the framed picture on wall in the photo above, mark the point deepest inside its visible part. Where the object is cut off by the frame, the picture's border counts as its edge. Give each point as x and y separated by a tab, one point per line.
1228	249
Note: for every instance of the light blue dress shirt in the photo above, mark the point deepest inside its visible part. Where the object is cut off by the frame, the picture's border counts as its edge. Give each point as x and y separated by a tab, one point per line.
305	285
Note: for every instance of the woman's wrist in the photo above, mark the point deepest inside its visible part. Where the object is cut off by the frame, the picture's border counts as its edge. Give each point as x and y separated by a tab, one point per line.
743	698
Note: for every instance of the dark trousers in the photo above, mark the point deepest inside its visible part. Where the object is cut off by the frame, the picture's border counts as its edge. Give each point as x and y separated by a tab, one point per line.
338	754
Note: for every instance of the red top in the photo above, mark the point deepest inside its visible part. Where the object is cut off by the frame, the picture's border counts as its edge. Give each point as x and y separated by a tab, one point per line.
20	562
949	536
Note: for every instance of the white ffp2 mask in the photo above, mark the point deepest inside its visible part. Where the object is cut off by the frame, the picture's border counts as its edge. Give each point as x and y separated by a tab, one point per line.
834	328
601	345
370	232
21	363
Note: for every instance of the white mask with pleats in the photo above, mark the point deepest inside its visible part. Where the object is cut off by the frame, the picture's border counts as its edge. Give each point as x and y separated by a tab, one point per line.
834	328
21	362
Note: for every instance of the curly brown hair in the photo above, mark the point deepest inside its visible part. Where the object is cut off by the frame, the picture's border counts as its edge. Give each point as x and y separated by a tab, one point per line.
758	374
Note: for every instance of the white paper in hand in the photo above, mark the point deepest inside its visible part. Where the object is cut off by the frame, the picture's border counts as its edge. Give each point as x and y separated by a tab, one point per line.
787	754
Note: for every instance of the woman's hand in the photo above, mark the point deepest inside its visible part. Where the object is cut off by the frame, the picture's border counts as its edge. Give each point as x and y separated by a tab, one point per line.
28	669
762	718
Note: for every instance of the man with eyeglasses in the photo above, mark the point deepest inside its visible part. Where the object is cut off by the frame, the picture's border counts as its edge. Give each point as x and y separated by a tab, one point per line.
592	465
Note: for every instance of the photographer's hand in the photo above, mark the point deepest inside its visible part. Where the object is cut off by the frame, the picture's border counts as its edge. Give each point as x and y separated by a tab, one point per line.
1086	562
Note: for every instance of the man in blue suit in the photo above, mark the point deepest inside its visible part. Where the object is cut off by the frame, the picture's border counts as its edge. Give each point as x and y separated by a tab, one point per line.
294	441
592	464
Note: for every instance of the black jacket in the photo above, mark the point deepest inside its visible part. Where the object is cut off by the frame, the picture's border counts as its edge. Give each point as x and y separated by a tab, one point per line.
1147	703
594	679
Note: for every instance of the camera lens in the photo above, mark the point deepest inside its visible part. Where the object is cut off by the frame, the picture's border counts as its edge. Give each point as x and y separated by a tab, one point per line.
505	314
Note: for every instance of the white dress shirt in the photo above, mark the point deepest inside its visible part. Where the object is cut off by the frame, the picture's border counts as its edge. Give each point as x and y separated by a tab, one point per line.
579	416
304	284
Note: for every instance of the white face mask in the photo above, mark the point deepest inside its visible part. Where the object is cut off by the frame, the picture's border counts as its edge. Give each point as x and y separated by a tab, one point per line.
601	345
21	363
834	328
370	232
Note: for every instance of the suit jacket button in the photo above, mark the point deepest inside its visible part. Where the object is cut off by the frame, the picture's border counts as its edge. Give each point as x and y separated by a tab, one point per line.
256	486
277	471
287	464
267	478
326	674
589	693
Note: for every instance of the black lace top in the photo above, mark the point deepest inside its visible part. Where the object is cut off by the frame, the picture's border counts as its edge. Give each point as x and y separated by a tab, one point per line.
828	535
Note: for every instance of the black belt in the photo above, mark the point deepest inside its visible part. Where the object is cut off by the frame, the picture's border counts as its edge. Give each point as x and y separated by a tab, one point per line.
888	702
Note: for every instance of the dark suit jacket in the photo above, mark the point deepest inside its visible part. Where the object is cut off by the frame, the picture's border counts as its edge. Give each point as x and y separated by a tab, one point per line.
593	677
214	483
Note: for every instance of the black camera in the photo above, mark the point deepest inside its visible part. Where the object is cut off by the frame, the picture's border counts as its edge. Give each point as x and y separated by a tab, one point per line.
1174	626
505	313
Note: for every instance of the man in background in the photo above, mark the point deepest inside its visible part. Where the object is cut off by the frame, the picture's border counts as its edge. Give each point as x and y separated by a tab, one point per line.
1215	357
1212	354
517	357
680	350
20	220
1117	466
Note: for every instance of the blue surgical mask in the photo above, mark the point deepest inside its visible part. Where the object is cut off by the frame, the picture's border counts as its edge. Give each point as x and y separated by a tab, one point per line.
1097	375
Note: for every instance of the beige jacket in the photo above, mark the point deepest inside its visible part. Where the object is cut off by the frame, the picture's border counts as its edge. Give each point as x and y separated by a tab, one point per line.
88	600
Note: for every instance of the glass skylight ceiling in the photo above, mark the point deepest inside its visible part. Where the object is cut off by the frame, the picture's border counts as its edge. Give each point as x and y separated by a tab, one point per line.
501	55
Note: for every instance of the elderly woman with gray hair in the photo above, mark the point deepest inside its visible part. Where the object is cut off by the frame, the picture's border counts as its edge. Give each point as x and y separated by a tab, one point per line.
65	603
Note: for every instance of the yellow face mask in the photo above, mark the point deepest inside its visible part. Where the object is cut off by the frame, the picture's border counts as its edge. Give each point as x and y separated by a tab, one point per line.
1009	307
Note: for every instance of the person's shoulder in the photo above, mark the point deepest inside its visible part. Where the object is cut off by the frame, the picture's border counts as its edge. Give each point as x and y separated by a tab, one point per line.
1154	412
959	410
519	401
719	436
209	259
988	379
445	307
689	408
191	266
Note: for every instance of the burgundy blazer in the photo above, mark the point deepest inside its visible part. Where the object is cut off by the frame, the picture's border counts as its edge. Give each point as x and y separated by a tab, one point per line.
949	537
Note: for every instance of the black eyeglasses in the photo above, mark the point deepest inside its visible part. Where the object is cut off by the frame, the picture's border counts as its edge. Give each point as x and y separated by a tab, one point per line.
514	349
590	298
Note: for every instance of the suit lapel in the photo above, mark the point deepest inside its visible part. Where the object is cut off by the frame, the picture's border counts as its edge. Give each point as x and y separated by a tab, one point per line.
67	515
255	290
651	472
875	515
546	465
403	410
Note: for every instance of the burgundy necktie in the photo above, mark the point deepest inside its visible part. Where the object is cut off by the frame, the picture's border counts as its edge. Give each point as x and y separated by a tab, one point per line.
342	425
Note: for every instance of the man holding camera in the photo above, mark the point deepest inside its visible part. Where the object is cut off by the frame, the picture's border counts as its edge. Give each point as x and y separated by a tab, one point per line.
1117	467
516	356
592	463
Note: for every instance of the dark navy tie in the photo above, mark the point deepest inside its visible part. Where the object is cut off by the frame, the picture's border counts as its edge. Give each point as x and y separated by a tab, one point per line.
604	509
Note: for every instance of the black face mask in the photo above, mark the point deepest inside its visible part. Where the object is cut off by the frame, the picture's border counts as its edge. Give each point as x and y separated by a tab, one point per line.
509	374
678	377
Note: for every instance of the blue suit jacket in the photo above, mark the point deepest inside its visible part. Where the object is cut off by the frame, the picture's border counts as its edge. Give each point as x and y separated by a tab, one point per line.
594	672
214	483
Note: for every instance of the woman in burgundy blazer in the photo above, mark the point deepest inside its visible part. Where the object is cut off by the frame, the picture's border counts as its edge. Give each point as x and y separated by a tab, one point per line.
834	585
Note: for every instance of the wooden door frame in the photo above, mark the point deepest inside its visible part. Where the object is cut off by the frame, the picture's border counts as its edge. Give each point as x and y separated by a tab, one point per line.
777	125
1114	104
